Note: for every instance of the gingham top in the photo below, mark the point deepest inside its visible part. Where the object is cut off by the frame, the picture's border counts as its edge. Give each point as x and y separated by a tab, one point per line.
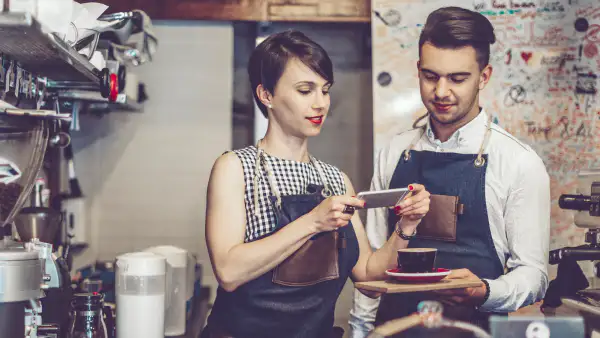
291	177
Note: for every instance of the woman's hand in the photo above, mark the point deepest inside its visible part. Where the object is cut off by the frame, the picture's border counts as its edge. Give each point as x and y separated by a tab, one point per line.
329	215
414	207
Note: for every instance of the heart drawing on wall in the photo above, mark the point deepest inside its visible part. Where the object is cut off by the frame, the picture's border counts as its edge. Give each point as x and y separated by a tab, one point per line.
526	56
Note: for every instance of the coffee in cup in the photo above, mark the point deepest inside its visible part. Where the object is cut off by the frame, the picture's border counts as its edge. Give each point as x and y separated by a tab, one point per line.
415	260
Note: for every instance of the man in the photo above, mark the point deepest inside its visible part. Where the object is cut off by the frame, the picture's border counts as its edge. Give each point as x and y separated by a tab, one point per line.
490	205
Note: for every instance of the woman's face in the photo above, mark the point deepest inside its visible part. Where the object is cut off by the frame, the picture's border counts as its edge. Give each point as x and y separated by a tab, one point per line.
300	101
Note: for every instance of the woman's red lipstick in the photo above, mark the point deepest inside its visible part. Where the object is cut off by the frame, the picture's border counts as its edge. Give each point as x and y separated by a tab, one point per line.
316	120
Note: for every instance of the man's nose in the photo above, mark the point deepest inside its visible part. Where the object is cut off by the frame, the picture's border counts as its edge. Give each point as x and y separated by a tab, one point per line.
442	88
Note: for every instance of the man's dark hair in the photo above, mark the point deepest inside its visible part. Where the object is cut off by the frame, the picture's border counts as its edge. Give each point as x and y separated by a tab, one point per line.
269	59
455	27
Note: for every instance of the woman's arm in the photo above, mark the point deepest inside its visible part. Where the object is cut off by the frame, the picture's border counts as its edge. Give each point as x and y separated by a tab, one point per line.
235	262
372	265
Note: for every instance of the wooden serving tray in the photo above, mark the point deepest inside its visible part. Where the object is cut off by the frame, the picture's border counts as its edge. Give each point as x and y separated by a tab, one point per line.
390	286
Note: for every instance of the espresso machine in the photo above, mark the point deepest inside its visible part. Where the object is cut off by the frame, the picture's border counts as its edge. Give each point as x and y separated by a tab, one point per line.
587	205
28	268
571	286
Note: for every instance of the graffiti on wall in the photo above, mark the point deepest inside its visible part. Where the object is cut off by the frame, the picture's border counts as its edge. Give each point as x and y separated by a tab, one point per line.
544	88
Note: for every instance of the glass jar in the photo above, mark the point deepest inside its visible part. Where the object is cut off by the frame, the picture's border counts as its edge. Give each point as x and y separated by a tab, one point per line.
86	316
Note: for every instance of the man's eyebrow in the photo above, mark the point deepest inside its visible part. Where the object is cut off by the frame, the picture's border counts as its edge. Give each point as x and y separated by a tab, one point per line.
451	74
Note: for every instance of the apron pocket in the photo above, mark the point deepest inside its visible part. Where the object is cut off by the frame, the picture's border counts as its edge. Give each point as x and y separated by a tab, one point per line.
440	222
316	261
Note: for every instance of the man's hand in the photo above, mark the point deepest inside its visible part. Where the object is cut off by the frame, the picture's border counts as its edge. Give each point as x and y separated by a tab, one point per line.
468	296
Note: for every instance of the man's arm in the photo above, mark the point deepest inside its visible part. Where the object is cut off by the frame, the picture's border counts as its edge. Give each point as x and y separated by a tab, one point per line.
527	222
364	309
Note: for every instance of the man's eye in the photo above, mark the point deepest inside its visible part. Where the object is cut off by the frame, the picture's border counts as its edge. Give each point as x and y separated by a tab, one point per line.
458	79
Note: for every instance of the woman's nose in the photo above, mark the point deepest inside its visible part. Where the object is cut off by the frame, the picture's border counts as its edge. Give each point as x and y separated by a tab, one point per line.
320	101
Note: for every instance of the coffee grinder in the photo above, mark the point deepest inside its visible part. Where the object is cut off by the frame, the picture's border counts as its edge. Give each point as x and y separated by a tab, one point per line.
28	267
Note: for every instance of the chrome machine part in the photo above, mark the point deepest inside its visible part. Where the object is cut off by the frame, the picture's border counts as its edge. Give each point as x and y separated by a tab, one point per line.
51	277
38	222
20	276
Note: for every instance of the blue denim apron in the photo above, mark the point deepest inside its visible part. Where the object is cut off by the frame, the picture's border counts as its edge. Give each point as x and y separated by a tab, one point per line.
449	174
263	308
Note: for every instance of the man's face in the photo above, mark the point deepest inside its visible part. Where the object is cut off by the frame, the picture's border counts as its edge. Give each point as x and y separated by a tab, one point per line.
450	81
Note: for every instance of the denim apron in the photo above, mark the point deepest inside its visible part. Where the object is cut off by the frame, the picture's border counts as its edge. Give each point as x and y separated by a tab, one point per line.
290	300
461	177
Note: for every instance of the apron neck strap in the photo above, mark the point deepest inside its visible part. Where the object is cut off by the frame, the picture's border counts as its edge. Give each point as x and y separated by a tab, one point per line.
479	161
261	163
326	192
413	143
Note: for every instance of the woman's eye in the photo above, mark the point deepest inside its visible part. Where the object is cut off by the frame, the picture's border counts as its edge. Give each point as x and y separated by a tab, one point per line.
326	92
304	92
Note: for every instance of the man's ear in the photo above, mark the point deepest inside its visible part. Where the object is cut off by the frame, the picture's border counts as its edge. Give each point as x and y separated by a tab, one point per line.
486	75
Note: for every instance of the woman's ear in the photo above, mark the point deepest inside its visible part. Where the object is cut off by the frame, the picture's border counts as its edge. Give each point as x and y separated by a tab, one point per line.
264	96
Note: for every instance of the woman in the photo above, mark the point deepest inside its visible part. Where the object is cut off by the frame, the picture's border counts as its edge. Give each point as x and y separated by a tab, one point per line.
280	226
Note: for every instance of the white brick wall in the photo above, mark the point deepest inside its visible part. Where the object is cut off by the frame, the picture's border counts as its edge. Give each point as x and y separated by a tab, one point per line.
145	174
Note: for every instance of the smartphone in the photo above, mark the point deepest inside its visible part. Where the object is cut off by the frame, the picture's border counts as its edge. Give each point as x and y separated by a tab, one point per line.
382	198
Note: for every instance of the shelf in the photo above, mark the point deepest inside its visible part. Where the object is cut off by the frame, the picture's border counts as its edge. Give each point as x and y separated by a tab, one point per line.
39	51
123	102
40	114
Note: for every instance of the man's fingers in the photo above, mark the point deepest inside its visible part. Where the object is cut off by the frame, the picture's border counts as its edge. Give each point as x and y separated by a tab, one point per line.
452	292
459	274
446	293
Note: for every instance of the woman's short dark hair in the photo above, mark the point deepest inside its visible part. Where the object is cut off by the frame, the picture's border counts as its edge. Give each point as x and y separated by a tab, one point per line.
455	27
270	57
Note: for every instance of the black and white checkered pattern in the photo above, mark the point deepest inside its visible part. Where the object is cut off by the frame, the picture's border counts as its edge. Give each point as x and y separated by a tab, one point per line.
291	177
